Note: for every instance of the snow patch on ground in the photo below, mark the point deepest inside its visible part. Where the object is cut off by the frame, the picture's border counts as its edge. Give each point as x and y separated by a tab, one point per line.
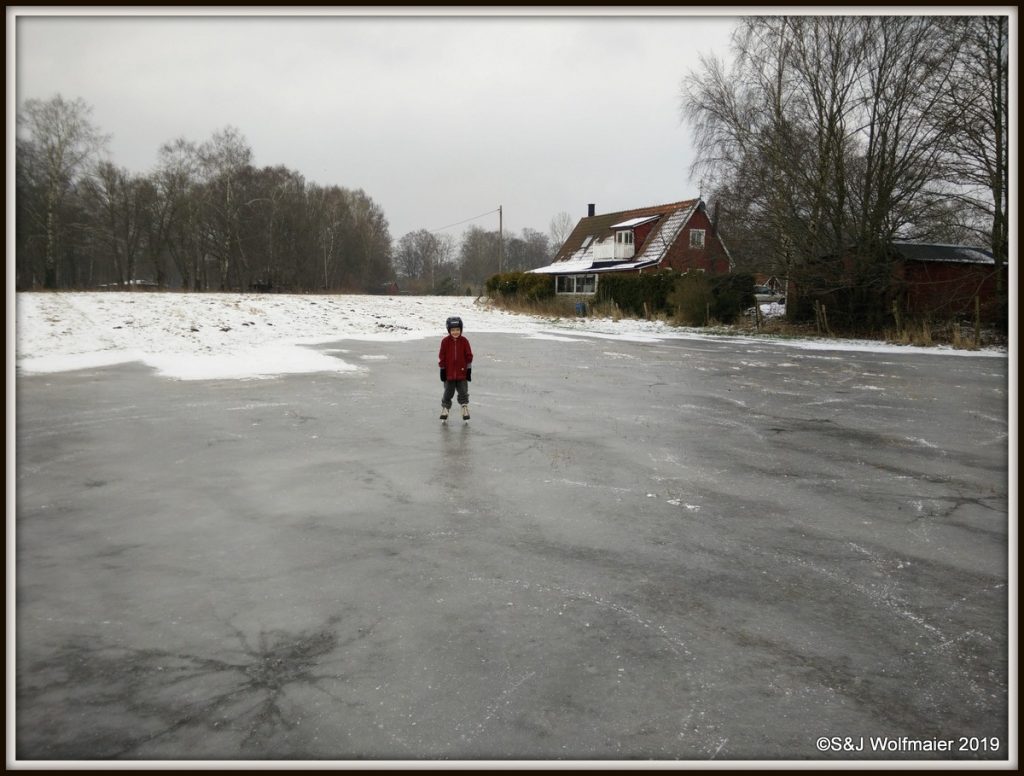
679	503
235	336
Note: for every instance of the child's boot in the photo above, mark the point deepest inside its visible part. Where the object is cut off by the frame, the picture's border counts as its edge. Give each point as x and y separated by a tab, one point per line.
465	412
444	413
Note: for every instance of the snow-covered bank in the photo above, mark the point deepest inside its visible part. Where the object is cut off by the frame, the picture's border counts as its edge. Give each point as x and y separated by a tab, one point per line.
208	336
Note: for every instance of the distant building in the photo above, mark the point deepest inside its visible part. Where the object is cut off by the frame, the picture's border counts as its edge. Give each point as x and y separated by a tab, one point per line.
388	289
945	280
679	236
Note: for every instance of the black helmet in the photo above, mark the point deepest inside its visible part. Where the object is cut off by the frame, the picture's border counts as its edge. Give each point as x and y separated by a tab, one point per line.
455	322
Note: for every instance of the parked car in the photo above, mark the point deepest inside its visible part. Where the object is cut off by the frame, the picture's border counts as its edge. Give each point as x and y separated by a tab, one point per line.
765	295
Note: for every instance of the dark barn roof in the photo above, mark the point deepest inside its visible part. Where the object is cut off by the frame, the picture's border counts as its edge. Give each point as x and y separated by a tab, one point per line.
959	254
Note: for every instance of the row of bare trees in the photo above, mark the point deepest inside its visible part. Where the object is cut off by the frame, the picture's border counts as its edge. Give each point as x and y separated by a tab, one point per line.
207	219
832	136
433	262
204	219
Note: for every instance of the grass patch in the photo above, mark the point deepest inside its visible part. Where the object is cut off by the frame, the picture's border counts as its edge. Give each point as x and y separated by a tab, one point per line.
956	334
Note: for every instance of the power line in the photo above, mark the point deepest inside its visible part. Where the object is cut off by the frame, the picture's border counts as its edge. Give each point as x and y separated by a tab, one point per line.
474	218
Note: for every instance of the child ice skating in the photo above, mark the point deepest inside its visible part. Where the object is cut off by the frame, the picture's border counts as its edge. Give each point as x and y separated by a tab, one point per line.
456	362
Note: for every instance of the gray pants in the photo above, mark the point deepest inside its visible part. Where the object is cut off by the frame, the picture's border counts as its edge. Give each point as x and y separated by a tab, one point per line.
450	387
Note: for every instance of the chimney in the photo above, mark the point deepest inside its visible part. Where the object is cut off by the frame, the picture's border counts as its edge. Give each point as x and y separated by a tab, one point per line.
590	210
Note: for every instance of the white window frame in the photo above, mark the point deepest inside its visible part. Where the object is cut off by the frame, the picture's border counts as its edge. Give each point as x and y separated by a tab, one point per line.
576	285
696	238
624	237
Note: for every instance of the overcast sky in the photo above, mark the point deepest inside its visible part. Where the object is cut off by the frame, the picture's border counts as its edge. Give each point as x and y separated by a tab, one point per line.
439	119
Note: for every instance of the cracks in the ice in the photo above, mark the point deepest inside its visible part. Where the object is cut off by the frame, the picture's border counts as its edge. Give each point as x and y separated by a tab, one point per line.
246	695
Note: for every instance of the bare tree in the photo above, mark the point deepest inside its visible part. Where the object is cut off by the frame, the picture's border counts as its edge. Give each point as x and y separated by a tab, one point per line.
974	118
416	257
177	179
370	243
274	240
478	255
222	160
824	134
117	205
528	251
62	140
331	220
560	228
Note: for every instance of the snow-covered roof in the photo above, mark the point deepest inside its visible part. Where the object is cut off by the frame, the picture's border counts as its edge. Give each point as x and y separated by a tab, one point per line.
592	267
657	244
630	223
572	265
578	254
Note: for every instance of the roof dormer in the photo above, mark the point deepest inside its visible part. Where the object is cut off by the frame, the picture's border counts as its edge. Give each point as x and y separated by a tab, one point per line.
622	243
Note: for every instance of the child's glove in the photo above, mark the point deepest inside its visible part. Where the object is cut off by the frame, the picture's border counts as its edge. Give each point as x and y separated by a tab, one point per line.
469	374
443	375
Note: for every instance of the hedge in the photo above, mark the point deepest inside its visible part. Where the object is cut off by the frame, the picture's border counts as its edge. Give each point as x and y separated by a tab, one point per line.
693	298
631	292
522	285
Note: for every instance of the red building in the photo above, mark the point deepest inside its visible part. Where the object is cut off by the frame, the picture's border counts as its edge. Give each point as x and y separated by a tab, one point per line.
943	281
679	236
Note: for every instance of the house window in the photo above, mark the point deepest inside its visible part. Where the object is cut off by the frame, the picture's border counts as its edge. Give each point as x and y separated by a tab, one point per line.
624	238
576	284
696	238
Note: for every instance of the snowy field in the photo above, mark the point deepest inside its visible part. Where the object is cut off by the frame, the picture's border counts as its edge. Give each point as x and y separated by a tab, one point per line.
221	336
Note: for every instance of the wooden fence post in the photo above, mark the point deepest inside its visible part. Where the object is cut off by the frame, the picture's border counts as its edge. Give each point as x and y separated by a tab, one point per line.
977	321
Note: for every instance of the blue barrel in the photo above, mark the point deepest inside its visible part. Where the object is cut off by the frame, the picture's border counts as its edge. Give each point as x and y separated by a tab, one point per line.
581	308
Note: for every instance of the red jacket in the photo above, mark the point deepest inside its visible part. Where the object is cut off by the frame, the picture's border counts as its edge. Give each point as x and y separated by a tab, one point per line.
455	357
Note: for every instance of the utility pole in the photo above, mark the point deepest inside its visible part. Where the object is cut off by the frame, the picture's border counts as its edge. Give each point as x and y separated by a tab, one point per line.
501	242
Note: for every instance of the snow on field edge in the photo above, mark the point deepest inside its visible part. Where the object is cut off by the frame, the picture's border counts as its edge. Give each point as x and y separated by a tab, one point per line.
222	336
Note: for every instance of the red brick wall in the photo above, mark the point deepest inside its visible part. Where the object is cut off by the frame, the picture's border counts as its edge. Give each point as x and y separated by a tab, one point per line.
711	258
641	232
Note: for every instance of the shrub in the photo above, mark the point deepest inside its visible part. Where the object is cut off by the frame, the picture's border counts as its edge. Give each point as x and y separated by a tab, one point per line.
691	299
522	285
638	294
732	294
699	299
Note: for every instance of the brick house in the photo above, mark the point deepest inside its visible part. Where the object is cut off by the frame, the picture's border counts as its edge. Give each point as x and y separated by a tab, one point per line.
679	236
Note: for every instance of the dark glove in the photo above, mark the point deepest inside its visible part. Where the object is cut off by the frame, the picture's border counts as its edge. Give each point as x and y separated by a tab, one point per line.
469	374
443	375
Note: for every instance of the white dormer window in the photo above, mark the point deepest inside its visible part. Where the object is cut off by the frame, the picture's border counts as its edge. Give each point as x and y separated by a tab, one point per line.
696	238
621	247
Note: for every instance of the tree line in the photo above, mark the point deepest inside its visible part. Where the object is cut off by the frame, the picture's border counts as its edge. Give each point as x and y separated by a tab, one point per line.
206	219
831	136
